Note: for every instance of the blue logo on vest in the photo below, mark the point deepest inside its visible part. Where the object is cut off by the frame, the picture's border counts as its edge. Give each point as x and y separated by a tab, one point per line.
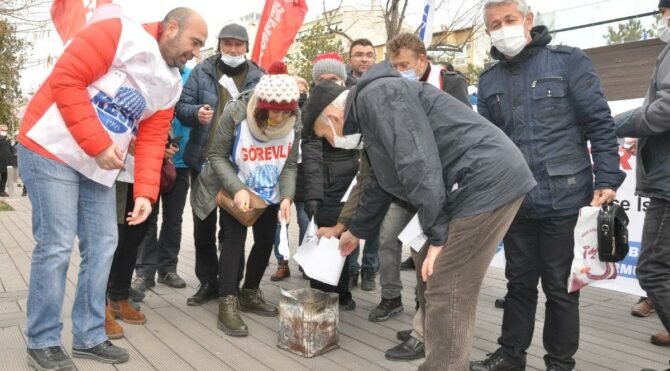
123	112
263	181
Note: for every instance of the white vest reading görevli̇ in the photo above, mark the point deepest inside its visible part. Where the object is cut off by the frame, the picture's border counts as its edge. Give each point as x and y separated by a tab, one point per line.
260	163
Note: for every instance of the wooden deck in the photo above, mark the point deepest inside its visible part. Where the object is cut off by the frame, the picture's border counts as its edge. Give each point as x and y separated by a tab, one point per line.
179	337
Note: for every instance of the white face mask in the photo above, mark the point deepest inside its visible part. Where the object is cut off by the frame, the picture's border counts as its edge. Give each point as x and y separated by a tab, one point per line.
3	133
410	74
232	61
352	141
663	29
510	40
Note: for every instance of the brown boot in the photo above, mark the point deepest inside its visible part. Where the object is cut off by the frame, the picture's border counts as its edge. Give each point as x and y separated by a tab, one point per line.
643	308
123	310
282	271
112	328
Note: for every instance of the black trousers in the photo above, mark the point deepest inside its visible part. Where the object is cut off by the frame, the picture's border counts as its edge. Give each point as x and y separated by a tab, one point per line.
540	249
653	266
164	255
3	180
125	255
231	263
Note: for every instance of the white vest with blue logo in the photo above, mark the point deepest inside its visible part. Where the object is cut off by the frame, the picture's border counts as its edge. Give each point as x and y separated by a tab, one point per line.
260	163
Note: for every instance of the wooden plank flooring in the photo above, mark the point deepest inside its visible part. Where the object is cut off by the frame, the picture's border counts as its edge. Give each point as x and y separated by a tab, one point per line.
179	337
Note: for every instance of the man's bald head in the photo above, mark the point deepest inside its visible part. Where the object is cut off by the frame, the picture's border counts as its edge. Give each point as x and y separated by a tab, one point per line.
184	33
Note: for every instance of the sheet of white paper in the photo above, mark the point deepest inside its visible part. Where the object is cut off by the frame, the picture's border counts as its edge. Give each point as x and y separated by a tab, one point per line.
351	186
321	259
128	174
283	240
229	84
413	235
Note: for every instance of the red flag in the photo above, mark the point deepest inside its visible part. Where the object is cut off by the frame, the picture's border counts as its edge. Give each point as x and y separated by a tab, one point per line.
70	16
279	23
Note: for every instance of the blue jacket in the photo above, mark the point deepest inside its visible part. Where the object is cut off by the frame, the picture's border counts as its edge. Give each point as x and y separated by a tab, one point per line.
201	88
179	130
548	100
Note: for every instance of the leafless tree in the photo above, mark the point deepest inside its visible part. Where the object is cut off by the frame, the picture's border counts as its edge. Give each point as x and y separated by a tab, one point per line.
466	16
28	16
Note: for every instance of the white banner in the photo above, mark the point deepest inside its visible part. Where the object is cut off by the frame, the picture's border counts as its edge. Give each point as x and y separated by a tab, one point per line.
635	207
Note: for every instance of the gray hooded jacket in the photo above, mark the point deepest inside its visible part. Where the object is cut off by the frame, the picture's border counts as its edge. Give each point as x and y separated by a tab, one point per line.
427	148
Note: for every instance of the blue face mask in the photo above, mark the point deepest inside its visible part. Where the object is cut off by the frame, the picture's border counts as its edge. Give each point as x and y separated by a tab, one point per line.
409	74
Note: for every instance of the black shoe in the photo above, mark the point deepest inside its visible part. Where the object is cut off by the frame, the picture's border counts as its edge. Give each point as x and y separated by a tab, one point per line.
139	286
353	279
407	265
351	305
105	352
499	303
385	309
51	358
494	362
368	279
403	335
171	279
4	194
205	293
554	367
408	350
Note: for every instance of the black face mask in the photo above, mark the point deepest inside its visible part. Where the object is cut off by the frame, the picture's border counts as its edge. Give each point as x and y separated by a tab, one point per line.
302	99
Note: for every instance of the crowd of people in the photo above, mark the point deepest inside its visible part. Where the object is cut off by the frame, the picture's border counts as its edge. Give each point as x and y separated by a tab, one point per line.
254	145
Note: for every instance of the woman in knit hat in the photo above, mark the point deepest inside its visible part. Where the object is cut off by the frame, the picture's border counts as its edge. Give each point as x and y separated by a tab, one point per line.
329	66
252	158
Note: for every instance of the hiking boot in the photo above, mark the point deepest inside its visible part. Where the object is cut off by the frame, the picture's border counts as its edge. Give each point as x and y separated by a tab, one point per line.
4	194
49	358
112	328
407	265
495	362
368	279
282	271
105	352
171	279
125	312
408	350
138	287
353	279
403	335
348	306
252	300
385	309
643	308
205	293
229	320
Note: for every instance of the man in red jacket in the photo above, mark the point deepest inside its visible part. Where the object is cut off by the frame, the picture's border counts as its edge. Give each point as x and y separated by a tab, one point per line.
113	79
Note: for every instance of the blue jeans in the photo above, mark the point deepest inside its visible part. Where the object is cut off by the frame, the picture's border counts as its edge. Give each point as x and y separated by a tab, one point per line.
303	220
66	204
370	257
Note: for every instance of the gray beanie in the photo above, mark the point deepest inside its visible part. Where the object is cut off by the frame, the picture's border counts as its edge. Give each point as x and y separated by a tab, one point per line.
234	31
328	63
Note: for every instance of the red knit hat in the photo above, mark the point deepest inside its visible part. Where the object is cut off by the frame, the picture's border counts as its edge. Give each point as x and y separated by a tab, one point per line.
277	90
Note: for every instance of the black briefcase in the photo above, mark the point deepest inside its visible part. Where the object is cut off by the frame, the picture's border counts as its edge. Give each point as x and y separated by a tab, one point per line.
612	233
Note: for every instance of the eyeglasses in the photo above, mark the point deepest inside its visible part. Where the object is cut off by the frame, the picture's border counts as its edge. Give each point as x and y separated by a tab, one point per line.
364	55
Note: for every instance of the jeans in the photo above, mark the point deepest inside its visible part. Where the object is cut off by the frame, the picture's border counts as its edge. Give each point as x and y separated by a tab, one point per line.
540	250
390	248
653	266
66	204
303	221
232	251
370	257
450	298
204	239
130	237
163	254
